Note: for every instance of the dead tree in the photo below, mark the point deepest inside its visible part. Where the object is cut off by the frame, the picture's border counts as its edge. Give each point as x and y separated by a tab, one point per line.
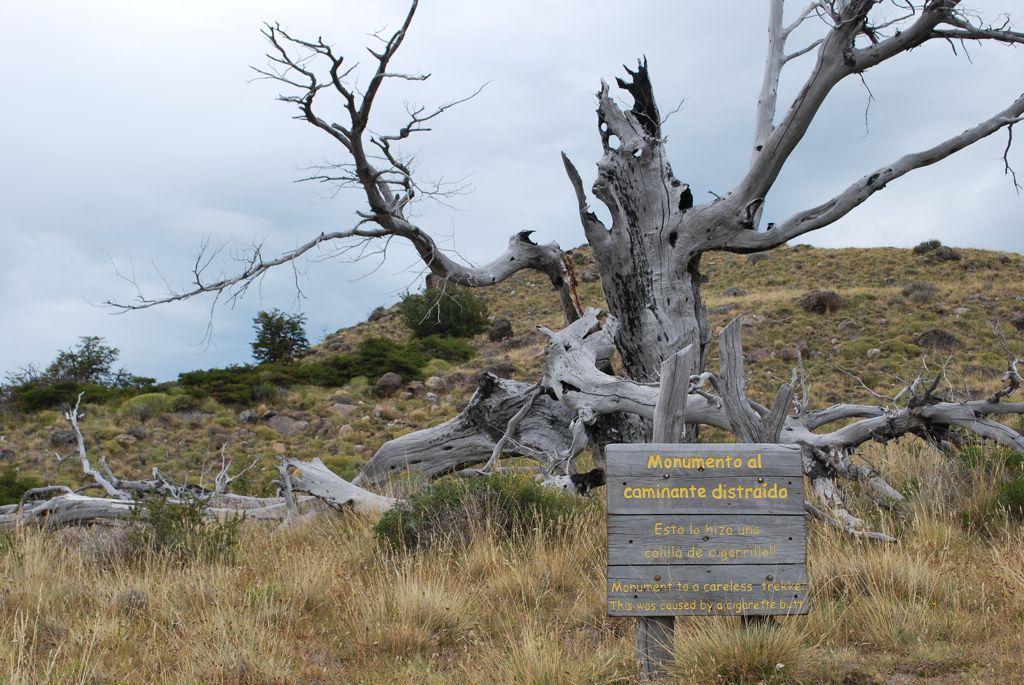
322	491
649	257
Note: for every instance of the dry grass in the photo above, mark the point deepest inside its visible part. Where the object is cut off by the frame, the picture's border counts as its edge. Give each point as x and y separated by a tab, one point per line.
322	603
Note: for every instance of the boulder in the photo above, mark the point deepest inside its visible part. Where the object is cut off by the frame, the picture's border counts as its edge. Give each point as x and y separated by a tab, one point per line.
849	328
388	384
787	353
722	308
435	384
342	409
944	253
822	302
758	257
873	353
287	426
751	320
138	432
432	397
501	369
323	429
249	416
1017	319
500	330
938	339
734	292
125	440
58	438
590	277
758	355
6	454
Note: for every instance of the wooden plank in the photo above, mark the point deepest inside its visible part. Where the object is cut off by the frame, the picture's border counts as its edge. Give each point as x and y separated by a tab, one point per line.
735	495
737	589
702	539
654	634
654	637
702	461
670	407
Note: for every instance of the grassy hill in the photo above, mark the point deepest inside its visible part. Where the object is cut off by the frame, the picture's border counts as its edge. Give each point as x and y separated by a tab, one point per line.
877	333
327	602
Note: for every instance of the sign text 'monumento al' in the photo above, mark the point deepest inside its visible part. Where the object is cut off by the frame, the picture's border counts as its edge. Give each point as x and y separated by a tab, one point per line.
713	529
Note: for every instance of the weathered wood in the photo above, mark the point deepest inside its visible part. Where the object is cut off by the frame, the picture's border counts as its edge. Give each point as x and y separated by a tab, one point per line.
654	634
704	460
738	589
670	408
316	479
737	495
704	539
705	479
470	438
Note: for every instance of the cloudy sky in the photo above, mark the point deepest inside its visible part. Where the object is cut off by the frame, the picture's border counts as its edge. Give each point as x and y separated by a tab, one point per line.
133	132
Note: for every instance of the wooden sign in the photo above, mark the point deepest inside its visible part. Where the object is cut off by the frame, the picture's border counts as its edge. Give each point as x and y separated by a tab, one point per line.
713	529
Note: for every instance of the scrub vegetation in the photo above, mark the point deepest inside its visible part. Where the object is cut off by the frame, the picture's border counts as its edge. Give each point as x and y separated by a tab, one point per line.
496	582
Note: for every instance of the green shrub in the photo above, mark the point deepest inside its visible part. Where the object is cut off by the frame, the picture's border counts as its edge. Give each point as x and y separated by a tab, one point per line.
180	533
13	485
448	349
40	395
453	508
927	246
1011	496
377	356
247	384
9	544
983	455
436	367
455	312
146	406
88	368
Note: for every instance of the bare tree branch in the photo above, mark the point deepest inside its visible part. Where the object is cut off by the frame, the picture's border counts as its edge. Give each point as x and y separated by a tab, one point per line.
840	205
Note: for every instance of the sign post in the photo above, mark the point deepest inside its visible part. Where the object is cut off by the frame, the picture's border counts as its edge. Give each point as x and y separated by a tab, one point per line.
704	529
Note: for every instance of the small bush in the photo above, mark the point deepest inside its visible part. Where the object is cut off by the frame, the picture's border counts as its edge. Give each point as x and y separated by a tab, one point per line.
37	396
1011	496
179	532
247	384
13	485
975	456
448	349
927	246
455	508
921	292
88	368
454	312
146	406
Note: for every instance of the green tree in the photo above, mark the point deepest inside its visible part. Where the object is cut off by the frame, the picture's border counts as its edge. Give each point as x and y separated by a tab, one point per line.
454	312
91	362
279	336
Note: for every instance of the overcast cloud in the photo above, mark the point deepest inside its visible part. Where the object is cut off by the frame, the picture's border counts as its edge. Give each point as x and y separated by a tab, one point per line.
132	133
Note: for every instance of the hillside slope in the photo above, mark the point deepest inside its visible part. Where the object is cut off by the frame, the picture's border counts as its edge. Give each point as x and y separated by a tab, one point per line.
894	301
